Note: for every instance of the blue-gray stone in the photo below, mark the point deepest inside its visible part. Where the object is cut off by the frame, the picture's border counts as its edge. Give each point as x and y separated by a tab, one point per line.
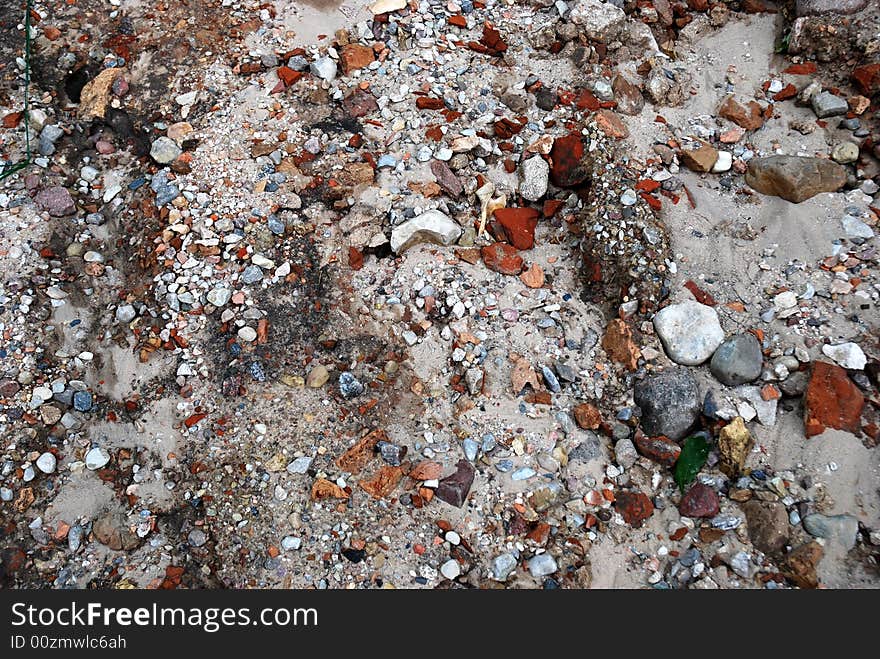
349	386
82	401
523	473
550	379
252	274
470	449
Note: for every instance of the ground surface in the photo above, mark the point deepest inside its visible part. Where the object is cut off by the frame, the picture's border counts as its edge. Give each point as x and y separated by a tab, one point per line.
220	368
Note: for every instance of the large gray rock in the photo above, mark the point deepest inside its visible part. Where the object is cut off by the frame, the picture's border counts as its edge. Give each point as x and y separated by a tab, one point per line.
690	332
599	21
842	528
738	360
826	104
429	227
814	7
670	403
794	178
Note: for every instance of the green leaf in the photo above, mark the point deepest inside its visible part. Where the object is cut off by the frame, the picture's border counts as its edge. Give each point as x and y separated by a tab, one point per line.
693	456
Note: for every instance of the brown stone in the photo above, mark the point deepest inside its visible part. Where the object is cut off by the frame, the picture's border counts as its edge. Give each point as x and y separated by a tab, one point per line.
355	56
502	258
610	124
701	159
355	173
867	78
519	225
324	489
800	565
359	103
357	457
634	507
619	344
831	401
569	164
113	531
794	178
383	482
587	416
533	276
628	96
768	525
426	470
429	103
750	116
700	501
446	178
454	488
659	449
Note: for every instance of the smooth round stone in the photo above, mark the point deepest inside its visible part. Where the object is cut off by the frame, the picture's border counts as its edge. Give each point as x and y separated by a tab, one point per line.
97	457
247	334
690	332
197	537
318	376
738	360
164	150
47	463
845	152
450	569
453	538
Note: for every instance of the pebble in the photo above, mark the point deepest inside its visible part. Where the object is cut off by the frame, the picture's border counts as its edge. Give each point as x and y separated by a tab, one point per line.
535	177
324	68
845	152
450	569
299	465
164	150
247	334
690	332
349	386
542	565
502	566
431	226
841	528
47	463
523	473
197	537
670	403
738	360
826	104
291	543
97	458
625	453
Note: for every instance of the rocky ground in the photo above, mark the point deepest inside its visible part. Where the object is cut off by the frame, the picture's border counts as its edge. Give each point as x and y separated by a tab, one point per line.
441	294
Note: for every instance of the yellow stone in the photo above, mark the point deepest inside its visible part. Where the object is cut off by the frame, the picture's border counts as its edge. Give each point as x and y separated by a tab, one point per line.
734	444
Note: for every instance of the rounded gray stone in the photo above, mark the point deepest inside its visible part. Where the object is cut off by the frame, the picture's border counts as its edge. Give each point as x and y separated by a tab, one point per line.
670	403
738	360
